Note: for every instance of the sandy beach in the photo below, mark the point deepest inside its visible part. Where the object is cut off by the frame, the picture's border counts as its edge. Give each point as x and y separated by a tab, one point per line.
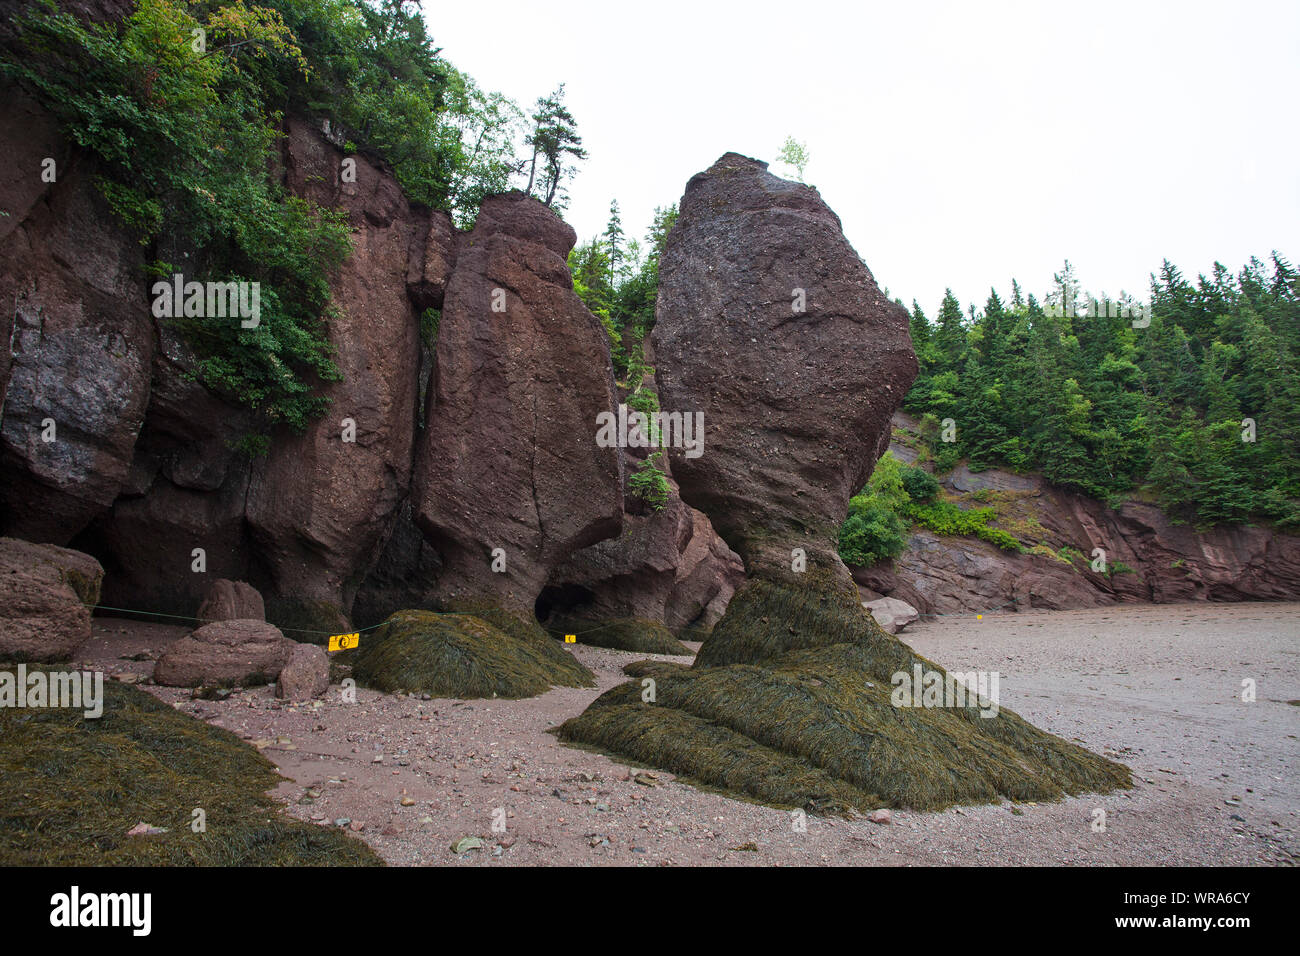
1159	688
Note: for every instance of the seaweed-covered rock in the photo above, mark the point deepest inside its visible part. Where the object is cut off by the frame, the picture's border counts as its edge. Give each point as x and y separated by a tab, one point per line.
637	634
790	700
463	655
225	654
46	593
72	787
817	729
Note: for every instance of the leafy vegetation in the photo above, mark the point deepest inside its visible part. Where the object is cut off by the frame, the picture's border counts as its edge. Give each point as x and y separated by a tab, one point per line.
182	105
897	496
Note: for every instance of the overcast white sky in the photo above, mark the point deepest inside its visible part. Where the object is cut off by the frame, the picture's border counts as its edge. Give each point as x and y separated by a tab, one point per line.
961	144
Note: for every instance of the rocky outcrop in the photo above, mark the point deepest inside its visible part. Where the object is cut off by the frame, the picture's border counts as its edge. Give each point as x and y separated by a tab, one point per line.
508	459
74	375
667	566
792	395
231	601
766	321
46	594
225	654
320	504
1148	557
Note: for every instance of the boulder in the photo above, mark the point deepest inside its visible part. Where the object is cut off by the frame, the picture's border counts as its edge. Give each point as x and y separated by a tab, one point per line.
225	654
305	675
891	614
231	601
508	459
46	594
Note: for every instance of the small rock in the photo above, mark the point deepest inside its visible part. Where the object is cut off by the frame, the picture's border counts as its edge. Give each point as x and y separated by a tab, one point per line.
880	816
465	844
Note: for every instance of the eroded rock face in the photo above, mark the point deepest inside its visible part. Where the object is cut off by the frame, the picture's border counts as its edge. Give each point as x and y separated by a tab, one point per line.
224	654
666	566
769	323
319	506
1149	558
45	598
508	459
74	375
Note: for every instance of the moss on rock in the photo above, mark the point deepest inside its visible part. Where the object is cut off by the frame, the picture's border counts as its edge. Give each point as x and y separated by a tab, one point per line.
463	656
793	708
71	788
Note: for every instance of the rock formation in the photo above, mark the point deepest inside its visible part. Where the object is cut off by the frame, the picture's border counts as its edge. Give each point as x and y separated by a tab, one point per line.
789	700
231	601
769	323
508	459
74	375
658	578
1149	558
319	505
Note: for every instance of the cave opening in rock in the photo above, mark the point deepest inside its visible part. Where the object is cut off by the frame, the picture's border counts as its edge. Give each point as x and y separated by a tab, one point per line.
561	600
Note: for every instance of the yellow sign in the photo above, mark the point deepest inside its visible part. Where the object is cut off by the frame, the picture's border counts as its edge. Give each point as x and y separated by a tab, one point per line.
343	642
570	638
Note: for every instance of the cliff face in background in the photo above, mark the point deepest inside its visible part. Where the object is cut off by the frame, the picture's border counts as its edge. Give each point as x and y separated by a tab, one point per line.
1149	557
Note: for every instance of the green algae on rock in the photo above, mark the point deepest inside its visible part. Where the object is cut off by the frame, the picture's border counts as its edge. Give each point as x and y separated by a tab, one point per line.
463	655
806	720
71	788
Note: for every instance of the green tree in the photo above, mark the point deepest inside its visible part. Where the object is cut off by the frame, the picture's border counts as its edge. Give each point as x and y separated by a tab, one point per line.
555	142
795	155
